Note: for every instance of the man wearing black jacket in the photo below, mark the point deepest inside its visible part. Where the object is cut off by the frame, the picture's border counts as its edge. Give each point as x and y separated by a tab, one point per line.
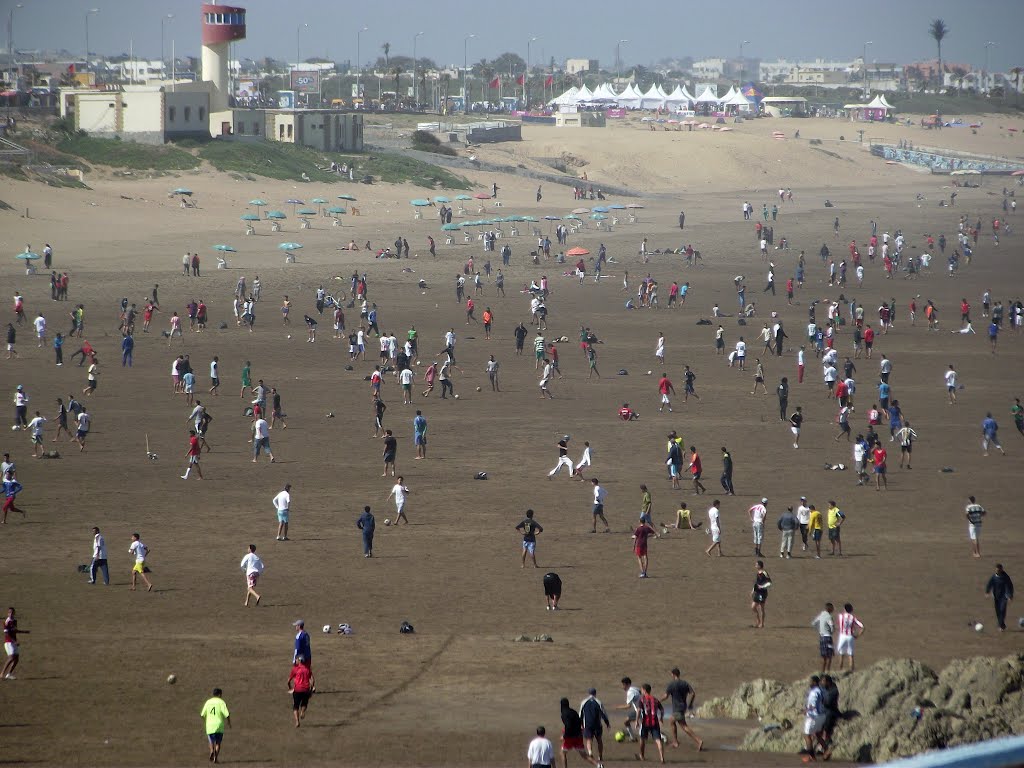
1000	586
594	719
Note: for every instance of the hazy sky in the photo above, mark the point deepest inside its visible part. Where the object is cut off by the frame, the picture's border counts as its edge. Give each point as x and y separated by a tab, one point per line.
655	29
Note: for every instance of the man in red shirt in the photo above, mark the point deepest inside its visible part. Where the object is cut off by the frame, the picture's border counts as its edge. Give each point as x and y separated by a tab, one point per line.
869	340
878	456
695	470
640	536
302	686
192	454
665	388
11	645
651	714
842	392
789	291
627	414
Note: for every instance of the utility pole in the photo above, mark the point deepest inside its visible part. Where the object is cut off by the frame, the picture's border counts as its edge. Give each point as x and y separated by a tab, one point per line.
163	21
415	84
465	72
359	61
88	13
867	75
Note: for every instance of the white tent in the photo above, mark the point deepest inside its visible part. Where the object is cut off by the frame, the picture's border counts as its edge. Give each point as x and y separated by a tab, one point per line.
729	95
604	91
661	92
569	97
678	99
584	94
629	98
707	97
739	101
879	102
885	103
688	95
652	99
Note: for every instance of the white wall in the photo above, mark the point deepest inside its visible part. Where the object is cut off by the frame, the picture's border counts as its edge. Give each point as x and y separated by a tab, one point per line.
191	110
142	110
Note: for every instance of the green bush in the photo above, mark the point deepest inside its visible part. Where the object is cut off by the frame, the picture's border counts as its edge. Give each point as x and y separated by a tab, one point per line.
126	154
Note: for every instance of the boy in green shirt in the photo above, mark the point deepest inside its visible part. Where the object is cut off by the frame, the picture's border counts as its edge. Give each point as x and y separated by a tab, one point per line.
215	713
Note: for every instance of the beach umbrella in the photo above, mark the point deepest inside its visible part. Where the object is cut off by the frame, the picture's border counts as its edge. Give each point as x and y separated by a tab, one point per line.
224	248
346	197
573	216
634	205
617	207
289	246
258	203
451	227
276	215
577	251
250	217
599	209
482	196
293	202
419	202
318	200
552	218
27	256
463	197
182	191
529	218
441	199
336	209
307	212
581	210
598	216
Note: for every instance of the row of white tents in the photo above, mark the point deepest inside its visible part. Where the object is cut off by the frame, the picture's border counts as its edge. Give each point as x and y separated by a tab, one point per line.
655	98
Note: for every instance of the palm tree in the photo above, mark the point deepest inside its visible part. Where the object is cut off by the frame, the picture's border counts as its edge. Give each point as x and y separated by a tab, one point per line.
387	54
959	73
397	72
938	30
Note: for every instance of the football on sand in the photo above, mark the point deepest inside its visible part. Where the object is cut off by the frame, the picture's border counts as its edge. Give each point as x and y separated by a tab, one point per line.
478	389
387	521
978	627
171	679
620	736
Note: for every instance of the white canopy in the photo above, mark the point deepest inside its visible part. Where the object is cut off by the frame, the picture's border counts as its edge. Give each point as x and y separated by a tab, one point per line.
630	97
604	91
885	103
584	94
569	97
729	95
678	98
652	99
879	103
707	97
737	100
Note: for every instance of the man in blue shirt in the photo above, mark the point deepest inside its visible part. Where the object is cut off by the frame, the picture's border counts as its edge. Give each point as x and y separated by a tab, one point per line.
419	431
127	347
895	419
883	395
302	643
367	524
989	430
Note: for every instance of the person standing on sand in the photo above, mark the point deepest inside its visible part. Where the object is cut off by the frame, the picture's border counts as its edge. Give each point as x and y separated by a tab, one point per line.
682	695
600	494
714	529
759	594
399	491
215	714
640	536
975	514
367	524
1000	586
594	719
758	513
252	566
301	685
530	529
651	714
825	626
572	727
140	551
849	628
540	753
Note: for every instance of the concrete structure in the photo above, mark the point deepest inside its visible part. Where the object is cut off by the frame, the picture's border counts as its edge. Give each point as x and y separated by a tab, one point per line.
576	66
222	25
790	106
143	113
143	70
322	129
580	119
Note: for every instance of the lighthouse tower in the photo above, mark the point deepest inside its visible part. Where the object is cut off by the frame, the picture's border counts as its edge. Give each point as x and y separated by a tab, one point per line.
222	25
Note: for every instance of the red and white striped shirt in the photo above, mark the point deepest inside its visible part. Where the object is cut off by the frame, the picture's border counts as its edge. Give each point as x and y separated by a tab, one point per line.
847	622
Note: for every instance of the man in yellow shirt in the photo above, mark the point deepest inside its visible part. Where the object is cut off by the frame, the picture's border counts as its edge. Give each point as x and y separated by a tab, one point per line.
215	714
814	526
835	520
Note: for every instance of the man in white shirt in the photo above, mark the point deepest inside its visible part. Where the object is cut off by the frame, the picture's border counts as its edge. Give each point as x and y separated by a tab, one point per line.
253	567
825	626
814	720
714	529
398	490
40	324
951	377
758	513
282	503
99	558
850	628
803	517
405	377
261	439
540	753
741	353
141	552
584	460
84	421
36	428
544	379
600	494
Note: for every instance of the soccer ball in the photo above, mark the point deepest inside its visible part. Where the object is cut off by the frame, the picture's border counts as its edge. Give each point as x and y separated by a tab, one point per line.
478	389
14	428
171	679
456	397
327	629
978	627
387	521
289	335
620	736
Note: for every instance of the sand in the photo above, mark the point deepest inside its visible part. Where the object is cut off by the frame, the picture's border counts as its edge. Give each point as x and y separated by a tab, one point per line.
91	684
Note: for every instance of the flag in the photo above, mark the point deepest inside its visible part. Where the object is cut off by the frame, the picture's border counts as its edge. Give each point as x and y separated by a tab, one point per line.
71	69
495	82
521	80
549	81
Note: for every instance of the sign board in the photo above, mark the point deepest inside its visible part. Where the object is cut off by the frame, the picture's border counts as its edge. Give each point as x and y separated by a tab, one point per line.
246	89
305	82
286	99
358	90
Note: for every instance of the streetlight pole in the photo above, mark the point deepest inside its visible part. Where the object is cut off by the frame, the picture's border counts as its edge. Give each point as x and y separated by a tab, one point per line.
465	72
359	61
526	74
618	59
10	35
988	44
415	84
88	13
867	74
743	62
163	21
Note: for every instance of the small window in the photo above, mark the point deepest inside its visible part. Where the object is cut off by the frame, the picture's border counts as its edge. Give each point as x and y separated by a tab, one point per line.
289	131
170	114
188	114
241	129
202	114
281	131
255	129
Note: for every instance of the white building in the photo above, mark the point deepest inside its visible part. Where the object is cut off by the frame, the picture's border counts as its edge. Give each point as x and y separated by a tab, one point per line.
143	70
708	69
147	114
577	66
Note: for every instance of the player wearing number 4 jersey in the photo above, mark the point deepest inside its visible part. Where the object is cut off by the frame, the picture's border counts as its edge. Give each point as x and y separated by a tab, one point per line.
850	628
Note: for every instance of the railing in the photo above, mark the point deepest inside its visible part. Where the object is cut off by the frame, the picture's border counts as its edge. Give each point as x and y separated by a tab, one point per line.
11	152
